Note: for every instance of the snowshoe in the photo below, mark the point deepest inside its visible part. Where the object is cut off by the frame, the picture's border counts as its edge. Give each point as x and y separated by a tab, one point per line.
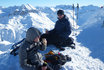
14	51
15	47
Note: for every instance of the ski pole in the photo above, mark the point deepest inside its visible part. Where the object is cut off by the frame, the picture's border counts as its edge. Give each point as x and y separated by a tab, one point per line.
73	19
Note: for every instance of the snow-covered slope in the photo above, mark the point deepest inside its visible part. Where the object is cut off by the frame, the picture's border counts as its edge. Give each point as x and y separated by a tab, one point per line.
14	21
93	34
86	12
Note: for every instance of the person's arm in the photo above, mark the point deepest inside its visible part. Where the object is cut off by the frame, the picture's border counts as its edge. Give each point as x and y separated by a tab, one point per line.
52	31
68	28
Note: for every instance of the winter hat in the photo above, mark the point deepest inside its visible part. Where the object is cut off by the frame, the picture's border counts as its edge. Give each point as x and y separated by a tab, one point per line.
32	33
61	12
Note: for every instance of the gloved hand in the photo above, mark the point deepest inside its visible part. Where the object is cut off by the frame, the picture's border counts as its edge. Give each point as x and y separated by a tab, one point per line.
44	67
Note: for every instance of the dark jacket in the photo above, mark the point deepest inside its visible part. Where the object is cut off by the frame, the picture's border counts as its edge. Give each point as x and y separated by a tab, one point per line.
30	58
62	28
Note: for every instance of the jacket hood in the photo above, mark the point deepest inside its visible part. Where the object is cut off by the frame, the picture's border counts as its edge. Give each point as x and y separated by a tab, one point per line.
31	34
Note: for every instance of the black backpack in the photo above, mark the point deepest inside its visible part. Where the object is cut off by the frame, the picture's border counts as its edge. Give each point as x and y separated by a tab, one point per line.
56	59
15	47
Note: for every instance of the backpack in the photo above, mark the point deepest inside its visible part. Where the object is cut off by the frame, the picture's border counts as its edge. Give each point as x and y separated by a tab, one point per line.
15	47
56	59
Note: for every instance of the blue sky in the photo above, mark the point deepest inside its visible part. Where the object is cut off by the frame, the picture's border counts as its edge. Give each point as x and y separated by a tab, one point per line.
7	3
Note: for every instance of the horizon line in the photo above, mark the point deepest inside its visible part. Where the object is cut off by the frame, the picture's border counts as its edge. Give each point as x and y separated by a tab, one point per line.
49	6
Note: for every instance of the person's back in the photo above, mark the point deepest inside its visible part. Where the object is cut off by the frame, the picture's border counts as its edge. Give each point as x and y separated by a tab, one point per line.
30	59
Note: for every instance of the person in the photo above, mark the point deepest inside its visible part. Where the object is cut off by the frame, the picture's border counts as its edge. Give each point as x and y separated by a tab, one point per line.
60	34
30	58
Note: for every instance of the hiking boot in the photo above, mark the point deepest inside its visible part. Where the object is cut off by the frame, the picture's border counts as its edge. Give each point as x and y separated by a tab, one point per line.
72	46
68	58
60	48
68	42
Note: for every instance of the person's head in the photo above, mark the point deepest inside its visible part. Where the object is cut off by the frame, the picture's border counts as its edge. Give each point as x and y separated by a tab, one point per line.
37	39
60	14
32	35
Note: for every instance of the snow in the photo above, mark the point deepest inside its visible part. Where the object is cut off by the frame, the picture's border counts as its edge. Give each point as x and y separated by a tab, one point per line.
1	12
13	28
92	34
86	12
5	42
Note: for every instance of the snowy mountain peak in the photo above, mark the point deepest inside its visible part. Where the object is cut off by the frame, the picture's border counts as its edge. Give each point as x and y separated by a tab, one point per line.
27	7
17	10
65	7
